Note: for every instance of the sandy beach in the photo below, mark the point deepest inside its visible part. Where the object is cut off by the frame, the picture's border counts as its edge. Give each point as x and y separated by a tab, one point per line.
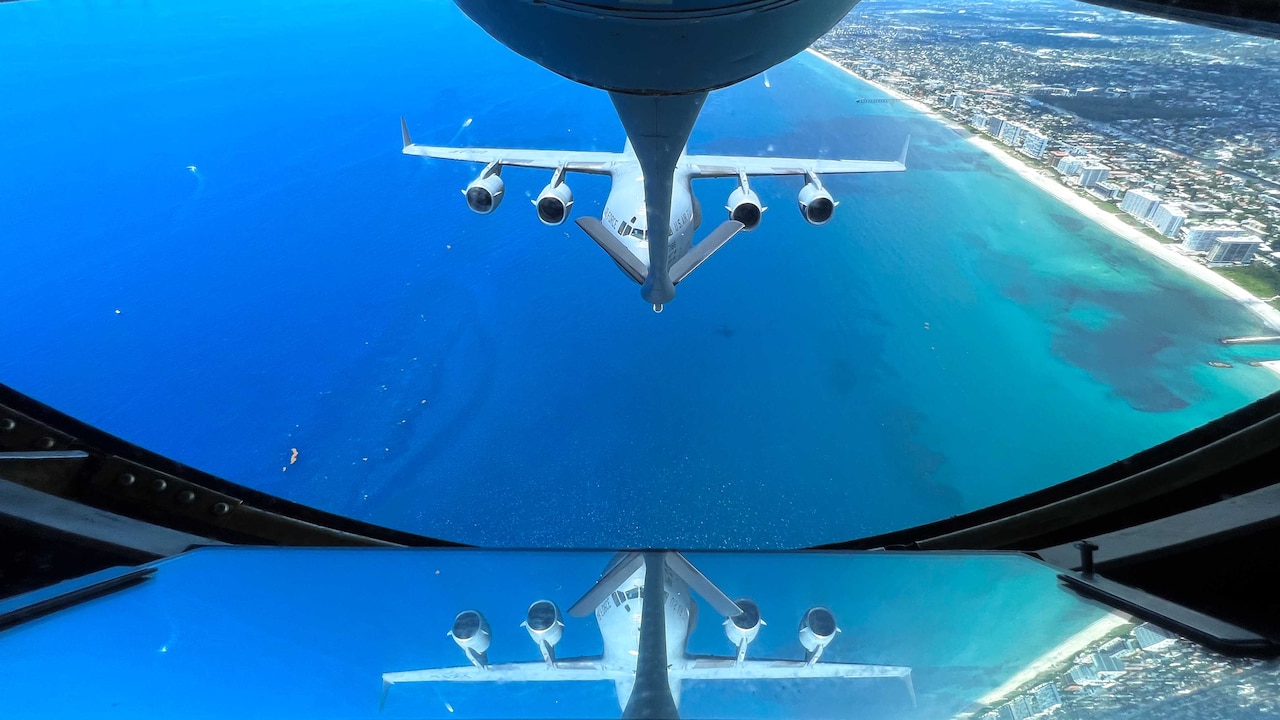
1051	185
1068	649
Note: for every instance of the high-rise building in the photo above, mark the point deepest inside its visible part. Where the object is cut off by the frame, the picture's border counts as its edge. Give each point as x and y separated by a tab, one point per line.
1022	707
995	125
1046	697
1070	165
1200	237
1152	637
955	100
1105	190
979	120
1238	249
1167	219
1084	674
1034	144
1107	663
1139	203
1093	173
1011	134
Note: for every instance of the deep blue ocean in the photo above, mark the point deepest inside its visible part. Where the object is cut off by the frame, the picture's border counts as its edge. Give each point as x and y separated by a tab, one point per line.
212	247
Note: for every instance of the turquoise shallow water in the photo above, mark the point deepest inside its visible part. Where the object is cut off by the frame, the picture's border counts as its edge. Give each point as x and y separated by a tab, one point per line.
952	339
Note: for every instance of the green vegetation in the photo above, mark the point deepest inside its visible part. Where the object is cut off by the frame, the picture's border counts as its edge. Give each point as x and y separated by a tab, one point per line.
1257	278
1108	109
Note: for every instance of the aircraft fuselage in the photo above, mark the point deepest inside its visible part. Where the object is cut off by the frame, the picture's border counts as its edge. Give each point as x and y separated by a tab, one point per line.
625	213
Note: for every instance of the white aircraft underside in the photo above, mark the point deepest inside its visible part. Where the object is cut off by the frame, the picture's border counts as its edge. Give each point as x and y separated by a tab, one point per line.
622	230
617	601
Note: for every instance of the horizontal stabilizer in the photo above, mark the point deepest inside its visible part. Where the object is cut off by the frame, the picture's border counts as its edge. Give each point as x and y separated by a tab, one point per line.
697	581
703	250
605	586
629	263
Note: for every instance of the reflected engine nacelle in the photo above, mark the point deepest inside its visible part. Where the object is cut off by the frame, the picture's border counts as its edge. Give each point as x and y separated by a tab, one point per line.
553	203
744	206
817	630
484	194
471	632
816	205
742	628
544	623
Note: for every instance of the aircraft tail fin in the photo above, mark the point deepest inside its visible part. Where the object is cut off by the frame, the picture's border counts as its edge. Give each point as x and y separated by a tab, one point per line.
630	264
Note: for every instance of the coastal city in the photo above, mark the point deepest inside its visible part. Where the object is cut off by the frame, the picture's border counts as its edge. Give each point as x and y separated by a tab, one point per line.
1172	129
1143	672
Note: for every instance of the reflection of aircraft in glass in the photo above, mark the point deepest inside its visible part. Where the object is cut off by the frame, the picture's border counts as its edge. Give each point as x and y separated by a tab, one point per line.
644	643
622	230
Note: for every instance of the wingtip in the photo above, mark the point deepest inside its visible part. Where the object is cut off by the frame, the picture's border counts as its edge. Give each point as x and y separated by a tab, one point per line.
902	159
404	132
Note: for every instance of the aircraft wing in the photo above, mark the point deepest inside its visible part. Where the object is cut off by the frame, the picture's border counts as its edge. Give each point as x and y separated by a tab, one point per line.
726	668
706	667
706	166
594	163
587	668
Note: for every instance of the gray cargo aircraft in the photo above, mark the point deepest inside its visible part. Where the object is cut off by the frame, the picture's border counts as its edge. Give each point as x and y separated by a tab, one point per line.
623	231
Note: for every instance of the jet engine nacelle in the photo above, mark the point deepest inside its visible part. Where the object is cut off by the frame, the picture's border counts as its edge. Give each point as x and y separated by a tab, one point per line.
471	632
553	203
744	206
817	630
484	194
816	204
745	626
544	623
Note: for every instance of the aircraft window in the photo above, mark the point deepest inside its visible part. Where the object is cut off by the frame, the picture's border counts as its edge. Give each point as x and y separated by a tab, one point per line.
633	593
300	308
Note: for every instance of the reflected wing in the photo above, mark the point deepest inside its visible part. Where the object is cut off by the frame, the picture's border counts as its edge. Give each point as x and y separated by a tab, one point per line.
586	668
723	668
705	166
595	163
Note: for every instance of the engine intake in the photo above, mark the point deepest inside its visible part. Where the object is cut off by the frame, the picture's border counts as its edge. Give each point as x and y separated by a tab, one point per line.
742	628
545	627
554	203
817	630
816	205
744	206
471	633
484	194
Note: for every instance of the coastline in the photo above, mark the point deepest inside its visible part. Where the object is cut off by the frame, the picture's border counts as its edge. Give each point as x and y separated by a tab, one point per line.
1269	315
1065	650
